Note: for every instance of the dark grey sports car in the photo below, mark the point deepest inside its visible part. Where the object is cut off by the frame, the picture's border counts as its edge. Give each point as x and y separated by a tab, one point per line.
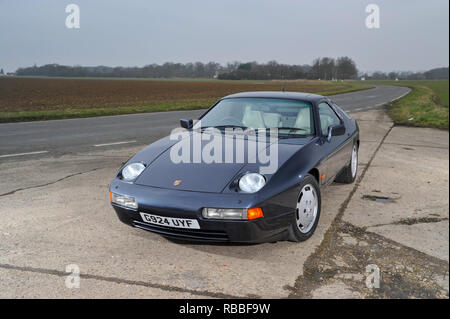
207	184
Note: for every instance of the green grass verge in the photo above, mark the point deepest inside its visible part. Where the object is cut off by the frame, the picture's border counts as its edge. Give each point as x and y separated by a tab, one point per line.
64	113
425	106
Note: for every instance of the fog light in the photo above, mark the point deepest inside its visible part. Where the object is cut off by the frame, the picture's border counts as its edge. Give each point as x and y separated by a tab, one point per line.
122	200
229	213
224	213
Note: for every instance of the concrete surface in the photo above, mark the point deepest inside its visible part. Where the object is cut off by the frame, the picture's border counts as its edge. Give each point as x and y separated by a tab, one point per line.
38	285
396	219
417	166
428	237
336	290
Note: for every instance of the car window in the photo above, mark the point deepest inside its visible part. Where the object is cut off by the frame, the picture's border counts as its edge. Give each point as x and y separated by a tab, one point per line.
339	109
327	117
289	116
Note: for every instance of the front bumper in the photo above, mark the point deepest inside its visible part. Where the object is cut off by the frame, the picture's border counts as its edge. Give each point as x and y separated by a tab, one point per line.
183	204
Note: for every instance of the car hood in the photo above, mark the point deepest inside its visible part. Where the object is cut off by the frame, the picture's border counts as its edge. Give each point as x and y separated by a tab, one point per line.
163	172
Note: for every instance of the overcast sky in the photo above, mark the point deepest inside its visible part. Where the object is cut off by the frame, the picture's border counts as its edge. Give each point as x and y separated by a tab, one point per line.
413	34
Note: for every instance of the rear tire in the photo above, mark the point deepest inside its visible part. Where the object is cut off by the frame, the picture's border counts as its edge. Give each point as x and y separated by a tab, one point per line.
306	217
349	173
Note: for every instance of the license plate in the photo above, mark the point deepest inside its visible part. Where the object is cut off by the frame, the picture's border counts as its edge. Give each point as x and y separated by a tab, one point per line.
170	222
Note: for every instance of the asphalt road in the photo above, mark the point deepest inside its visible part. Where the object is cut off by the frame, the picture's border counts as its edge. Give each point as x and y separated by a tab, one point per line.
55	138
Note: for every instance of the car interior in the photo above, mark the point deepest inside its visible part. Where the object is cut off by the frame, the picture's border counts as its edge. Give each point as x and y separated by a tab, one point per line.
263	113
327	117
256	117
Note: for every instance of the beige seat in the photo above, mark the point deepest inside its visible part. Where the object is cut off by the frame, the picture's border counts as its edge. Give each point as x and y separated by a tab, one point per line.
325	122
252	119
303	120
272	119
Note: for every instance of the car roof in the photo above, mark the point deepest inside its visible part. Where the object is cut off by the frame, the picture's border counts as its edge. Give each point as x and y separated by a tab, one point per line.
277	95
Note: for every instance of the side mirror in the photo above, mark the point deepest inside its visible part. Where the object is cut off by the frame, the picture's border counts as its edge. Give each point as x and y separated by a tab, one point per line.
336	130
187	124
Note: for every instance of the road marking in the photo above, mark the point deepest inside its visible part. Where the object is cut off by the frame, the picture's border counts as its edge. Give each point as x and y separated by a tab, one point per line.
393	100
404	94
22	154
379	104
115	143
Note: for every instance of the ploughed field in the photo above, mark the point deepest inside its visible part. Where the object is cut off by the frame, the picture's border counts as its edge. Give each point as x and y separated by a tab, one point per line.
23	98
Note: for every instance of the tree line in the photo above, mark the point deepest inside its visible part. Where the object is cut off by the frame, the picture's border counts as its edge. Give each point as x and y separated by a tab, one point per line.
433	74
166	70
322	68
325	68
343	68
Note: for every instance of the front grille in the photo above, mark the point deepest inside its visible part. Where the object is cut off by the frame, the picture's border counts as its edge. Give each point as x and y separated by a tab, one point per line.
199	234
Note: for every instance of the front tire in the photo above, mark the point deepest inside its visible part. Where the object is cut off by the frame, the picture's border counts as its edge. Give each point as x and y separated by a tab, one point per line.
349	173
307	211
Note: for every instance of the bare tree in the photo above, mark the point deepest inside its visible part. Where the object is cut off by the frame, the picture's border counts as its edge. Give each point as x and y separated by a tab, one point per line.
346	68
323	68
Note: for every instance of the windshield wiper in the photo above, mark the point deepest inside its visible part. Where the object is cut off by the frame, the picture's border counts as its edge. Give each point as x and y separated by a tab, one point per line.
267	129
226	126
288	128
290	134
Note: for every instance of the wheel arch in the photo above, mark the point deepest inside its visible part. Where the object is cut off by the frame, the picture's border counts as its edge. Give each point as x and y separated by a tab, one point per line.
315	172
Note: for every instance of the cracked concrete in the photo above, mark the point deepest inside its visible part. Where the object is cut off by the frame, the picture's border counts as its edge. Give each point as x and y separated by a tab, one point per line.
418	180
339	268
49	183
25	174
130	283
406	237
414	221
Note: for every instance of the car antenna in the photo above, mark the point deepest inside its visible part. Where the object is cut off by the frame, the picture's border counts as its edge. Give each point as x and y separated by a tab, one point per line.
283	89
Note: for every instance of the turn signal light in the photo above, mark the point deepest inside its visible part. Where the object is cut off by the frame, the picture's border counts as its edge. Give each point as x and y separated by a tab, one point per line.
254	213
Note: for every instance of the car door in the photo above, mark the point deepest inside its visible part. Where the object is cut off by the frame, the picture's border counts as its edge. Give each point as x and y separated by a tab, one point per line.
335	148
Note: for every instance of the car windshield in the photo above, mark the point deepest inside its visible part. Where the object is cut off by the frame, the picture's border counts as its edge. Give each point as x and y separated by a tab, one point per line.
288	116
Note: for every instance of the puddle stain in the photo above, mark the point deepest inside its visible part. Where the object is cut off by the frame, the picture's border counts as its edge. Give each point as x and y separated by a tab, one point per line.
421	220
381	199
